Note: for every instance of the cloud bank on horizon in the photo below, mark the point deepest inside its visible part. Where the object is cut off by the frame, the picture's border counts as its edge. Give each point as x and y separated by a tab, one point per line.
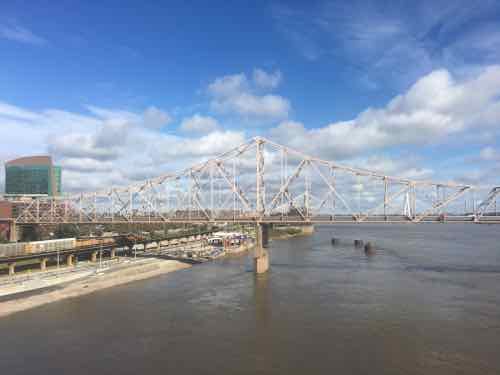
440	117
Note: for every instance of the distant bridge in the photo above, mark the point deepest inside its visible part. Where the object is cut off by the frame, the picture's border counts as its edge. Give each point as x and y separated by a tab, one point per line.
264	182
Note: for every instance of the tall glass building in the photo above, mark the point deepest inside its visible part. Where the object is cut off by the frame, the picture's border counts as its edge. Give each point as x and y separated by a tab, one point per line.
32	175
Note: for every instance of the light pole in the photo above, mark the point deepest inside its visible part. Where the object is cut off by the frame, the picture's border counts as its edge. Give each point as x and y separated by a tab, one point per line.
51	235
135	248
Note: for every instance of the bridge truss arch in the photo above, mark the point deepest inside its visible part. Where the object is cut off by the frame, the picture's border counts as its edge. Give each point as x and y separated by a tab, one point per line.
263	181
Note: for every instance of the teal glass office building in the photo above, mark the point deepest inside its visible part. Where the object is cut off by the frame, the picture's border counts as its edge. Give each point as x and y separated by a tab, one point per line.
32	175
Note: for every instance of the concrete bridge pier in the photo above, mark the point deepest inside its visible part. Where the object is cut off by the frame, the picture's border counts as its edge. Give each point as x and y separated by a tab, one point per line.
112	253
261	256
308	229
13	231
43	264
93	256
12	269
69	260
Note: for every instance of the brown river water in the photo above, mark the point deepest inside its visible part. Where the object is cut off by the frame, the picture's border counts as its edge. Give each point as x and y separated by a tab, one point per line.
427	303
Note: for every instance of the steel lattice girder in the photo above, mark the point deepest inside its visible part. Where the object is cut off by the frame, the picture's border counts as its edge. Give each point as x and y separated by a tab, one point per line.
260	181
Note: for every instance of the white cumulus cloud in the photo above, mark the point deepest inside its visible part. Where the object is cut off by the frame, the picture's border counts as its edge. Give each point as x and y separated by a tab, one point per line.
246	104
199	124
267	80
106	147
489	154
435	107
228	85
234	94
20	34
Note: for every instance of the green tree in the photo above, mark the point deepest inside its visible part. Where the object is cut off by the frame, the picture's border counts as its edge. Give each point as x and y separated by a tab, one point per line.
31	233
3	239
66	231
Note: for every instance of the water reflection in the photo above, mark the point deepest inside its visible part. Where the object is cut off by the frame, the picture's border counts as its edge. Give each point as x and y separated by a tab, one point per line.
262	300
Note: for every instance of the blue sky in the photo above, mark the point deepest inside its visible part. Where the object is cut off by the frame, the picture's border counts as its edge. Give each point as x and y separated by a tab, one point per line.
134	55
124	90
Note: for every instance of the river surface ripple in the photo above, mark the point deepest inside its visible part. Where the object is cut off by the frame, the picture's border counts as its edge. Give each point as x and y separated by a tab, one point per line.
427	303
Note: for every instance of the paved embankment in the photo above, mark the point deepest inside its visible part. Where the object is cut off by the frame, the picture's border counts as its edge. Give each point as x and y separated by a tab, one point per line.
19	300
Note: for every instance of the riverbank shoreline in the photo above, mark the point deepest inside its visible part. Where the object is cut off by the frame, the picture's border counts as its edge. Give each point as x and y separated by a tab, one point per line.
113	276
285	235
87	281
242	249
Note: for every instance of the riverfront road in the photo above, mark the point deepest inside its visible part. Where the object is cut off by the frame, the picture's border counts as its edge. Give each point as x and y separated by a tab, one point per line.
106	248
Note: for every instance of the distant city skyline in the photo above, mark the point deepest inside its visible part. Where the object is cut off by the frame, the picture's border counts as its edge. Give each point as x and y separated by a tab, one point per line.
118	93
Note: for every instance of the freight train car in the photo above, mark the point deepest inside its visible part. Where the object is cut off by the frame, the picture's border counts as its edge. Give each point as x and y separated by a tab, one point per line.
81	242
152	245
25	248
50	245
12	249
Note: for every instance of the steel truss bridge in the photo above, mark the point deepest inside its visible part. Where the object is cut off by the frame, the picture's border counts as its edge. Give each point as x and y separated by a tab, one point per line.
264	182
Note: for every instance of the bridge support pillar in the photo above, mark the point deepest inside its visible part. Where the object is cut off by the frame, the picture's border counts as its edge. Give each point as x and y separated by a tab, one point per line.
43	264
12	269
69	260
112	253
93	256
261	256
308	229
13	231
